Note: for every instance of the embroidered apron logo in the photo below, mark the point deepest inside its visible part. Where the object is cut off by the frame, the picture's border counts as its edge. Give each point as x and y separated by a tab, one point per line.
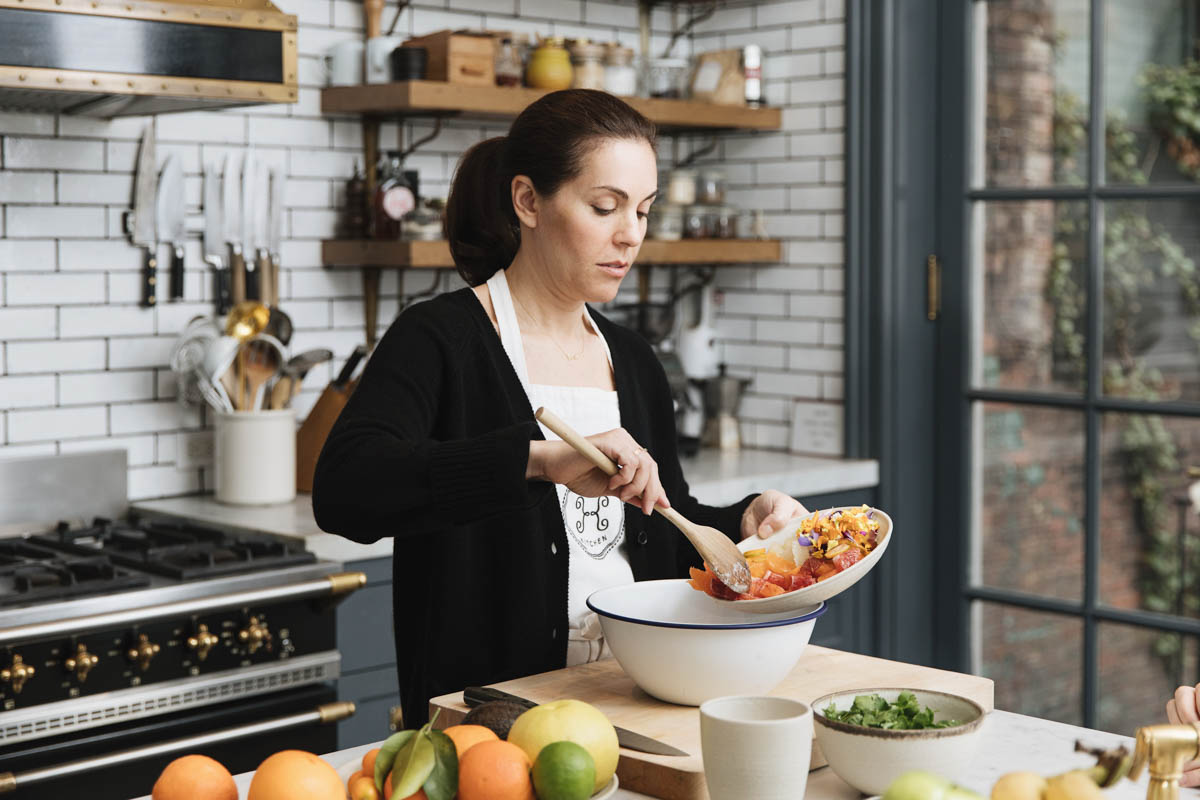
597	524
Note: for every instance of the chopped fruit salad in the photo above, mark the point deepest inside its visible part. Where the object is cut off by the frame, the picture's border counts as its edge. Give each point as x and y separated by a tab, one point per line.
823	545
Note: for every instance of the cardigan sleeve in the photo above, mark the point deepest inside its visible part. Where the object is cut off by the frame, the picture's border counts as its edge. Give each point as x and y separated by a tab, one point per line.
381	472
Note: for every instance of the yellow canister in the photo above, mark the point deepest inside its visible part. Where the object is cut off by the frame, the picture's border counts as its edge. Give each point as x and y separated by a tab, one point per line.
549	66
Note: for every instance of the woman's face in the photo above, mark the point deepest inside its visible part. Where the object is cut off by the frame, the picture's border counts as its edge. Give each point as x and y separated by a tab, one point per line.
590	230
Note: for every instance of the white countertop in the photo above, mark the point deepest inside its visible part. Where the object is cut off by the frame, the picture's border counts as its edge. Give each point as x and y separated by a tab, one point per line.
1010	742
714	477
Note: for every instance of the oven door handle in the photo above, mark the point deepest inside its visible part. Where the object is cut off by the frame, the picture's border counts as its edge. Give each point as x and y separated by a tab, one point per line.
329	587
330	712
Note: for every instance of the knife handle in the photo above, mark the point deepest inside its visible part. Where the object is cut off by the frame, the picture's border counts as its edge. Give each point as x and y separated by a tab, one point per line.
149	277
253	284
237	274
224	291
265	286
476	695
177	272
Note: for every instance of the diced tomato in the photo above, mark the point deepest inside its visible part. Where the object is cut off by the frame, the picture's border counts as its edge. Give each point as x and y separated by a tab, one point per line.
721	591
782	581
770	590
848	559
800	580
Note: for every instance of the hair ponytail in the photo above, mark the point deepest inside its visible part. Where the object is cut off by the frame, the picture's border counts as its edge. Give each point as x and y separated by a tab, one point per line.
547	143
480	224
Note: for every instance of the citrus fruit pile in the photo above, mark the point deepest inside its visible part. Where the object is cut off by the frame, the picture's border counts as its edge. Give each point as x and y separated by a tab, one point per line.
565	750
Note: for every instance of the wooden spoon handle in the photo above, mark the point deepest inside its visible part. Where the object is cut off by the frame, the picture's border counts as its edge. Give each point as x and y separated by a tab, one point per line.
572	437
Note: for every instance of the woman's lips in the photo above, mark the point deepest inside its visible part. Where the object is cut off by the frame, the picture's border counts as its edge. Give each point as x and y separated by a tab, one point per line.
615	267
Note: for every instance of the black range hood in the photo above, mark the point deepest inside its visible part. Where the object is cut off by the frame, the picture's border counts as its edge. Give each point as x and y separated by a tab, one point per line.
101	58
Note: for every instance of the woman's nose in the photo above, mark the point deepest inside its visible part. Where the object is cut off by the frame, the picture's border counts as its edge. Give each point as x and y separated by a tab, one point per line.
630	234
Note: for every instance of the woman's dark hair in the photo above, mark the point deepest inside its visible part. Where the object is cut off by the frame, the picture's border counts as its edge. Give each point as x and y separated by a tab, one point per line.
547	143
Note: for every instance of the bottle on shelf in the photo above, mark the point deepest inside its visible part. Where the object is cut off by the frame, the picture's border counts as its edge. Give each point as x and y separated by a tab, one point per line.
354	218
394	198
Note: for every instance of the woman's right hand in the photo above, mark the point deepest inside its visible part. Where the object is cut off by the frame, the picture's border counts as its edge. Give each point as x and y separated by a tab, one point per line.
1182	710
636	482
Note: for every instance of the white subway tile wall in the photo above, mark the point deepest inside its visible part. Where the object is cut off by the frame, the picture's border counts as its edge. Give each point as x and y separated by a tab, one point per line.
83	367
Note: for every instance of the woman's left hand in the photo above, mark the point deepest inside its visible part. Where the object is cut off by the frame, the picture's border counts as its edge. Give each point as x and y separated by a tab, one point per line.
768	512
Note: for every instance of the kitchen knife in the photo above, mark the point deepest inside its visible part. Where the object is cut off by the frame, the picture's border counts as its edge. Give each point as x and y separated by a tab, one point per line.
214	245
231	220
143	216
348	368
170	218
249	199
275	231
260	235
630	740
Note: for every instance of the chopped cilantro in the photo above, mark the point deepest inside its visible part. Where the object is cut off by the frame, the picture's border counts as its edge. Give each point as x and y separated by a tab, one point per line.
872	711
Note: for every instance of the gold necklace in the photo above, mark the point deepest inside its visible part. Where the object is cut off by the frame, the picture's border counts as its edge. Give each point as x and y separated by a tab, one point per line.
566	355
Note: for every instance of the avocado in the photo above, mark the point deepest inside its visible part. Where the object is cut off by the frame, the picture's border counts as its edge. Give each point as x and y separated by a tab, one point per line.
499	715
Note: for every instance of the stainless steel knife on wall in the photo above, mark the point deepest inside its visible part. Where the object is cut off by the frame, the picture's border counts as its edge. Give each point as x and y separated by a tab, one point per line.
144	198
170	215
214	242
231	221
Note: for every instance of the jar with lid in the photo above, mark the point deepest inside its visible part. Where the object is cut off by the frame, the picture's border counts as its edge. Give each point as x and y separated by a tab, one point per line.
710	187
681	186
665	77
698	222
725	222
666	222
394	198
620	76
549	66
424	223
354	220
509	67
587	61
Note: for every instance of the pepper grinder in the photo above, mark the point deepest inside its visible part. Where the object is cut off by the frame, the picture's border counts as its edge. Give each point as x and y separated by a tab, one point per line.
1164	749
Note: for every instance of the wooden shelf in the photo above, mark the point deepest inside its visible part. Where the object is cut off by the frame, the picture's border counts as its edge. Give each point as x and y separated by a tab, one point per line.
360	253
435	98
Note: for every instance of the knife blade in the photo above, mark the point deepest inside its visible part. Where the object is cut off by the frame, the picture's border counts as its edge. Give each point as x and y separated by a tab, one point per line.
248	229
275	238
214	245
231	219
262	191
144	198
347	372
170	219
630	740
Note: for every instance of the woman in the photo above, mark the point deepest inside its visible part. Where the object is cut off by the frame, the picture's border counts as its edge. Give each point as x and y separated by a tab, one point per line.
1184	709
501	531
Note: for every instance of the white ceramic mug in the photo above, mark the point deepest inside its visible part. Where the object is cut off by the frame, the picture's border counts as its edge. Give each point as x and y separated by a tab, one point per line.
379	58
343	63
757	747
254	455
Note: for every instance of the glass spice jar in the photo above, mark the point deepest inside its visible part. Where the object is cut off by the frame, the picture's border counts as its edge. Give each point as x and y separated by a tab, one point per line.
620	76
681	186
509	68
666	222
710	187
587	65
549	66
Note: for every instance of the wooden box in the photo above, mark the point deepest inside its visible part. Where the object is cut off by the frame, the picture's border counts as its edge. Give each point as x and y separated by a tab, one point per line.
462	57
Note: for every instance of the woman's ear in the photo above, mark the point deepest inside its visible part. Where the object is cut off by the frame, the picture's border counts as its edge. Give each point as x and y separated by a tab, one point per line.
525	201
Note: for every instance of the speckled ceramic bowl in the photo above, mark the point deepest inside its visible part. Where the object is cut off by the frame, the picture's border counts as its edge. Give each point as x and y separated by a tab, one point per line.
871	758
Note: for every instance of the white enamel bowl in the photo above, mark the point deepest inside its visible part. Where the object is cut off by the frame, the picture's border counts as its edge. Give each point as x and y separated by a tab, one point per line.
818	592
871	758
680	647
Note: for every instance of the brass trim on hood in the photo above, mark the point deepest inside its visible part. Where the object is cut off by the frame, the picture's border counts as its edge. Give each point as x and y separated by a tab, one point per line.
128	84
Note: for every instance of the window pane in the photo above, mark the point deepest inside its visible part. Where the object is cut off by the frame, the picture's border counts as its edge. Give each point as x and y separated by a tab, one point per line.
1029	487
1152	299
1149	547
1161	661
1035	658
1150	91
1031	92
1031	301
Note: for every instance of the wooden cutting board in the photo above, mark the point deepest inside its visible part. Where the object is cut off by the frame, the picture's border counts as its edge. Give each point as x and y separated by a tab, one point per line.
605	685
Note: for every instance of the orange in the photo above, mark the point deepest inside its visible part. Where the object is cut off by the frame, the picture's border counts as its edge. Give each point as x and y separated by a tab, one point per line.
494	771
291	774
357	774
369	761
195	777
387	791
465	736
363	788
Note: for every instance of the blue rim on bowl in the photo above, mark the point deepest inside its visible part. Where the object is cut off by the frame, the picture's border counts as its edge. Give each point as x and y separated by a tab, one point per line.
816	611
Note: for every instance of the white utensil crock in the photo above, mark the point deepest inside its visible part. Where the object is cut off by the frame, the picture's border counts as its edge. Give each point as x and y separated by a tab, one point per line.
255	457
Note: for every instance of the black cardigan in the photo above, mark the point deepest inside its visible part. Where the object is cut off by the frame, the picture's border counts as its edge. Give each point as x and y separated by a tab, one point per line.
431	450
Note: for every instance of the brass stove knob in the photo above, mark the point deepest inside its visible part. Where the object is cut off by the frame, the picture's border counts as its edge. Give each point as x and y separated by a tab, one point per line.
81	663
255	635
143	651
17	674
203	641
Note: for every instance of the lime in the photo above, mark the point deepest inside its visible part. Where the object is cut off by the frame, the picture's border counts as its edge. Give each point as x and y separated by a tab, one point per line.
564	771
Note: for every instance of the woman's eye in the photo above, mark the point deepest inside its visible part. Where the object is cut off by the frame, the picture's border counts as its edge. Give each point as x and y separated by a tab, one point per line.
642	215
604	212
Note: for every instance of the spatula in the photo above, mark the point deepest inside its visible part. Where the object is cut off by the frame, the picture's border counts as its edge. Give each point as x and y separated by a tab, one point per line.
717	549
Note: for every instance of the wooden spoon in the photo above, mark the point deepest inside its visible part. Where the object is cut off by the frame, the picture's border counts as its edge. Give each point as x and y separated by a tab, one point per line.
717	549
260	364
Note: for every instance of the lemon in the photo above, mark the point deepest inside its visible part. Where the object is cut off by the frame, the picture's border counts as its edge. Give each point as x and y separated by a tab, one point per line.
564	771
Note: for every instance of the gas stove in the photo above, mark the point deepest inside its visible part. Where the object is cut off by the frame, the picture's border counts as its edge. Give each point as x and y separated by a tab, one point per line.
119	628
